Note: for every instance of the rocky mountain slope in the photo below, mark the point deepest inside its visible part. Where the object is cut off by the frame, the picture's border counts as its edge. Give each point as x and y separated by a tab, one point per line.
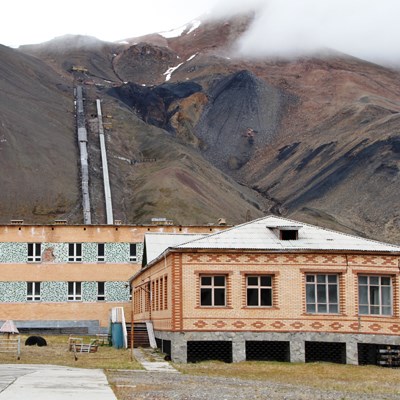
199	133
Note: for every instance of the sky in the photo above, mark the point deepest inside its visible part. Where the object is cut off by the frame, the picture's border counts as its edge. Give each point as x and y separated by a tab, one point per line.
369	29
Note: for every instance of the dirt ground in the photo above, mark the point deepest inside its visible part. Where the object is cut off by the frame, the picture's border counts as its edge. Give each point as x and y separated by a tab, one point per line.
138	385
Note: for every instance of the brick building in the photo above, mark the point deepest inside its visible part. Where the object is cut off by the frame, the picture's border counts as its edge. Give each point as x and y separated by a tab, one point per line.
271	289
66	278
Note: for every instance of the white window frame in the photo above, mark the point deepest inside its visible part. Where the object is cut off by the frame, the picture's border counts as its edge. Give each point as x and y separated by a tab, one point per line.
36	254
132	257
101	297
259	287
213	288
31	291
317	304
76	294
74	255
379	306
101	258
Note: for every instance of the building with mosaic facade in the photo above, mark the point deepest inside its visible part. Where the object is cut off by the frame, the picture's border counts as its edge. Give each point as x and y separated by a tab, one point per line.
66	278
270	289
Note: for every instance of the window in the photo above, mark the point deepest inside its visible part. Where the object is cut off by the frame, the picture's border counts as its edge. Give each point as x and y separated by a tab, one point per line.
32	291
75	252
322	294
34	252
375	295
259	291
212	290
101	296
289	234
132	252
100	252
74	291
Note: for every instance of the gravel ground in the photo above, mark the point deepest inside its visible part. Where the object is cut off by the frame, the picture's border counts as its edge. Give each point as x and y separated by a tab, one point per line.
129	385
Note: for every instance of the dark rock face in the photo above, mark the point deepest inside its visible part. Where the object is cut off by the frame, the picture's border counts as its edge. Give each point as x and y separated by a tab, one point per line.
243	113
152	103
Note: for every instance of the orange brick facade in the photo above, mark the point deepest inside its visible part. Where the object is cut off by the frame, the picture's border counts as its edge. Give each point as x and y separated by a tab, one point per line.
288	311
50	269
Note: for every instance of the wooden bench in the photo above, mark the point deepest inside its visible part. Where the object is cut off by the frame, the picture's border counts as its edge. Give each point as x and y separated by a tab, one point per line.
77	346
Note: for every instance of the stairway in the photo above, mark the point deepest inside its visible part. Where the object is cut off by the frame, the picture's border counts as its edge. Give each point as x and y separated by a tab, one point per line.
140	335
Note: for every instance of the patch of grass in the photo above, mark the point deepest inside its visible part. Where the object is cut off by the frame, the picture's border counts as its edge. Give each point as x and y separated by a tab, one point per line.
324	376
56	353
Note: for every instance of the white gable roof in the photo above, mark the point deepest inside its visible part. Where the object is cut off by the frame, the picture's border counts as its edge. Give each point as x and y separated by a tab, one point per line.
260	235
157	243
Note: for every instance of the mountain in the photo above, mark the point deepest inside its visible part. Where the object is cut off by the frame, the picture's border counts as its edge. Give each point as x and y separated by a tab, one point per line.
199	132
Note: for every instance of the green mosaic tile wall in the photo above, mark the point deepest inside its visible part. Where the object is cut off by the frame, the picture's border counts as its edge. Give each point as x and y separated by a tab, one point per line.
17	253
57	292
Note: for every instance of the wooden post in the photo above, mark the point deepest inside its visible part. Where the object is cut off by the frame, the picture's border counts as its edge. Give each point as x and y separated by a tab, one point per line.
132	333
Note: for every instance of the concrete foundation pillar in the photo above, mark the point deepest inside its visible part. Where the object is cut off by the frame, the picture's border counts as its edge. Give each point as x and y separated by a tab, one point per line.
238	349
297	351
179	348
352	353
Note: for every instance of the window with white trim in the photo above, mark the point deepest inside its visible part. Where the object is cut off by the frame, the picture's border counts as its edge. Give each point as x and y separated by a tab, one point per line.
32	291
322	293
75	252
132	252
101	294
74	291
259	291
213	290
101	252
375	295
34	252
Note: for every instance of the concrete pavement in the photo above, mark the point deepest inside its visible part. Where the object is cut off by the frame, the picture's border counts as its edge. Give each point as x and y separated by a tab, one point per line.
36	382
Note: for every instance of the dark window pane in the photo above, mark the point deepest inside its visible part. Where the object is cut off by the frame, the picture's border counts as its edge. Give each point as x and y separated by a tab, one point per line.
362	280
363	292
252	297
100	249
310	278
332	278
310	293
374	309
322	308
374	295
78	287
70	288
386	297
332	289
385	280
252	280
333	308
266	297
37	288
219	297
70	249
100	287
363	310
206	280
321	278
311	308
219	280
205	295
266	281
374	280
321	294
132	249
78	249
29	288
387	310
